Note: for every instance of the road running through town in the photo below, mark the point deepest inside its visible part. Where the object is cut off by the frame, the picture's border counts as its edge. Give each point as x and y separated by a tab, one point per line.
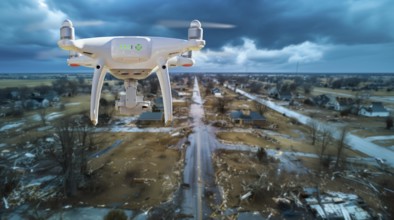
199	187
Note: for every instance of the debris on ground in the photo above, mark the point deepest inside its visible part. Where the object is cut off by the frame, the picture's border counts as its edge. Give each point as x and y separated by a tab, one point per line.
249	184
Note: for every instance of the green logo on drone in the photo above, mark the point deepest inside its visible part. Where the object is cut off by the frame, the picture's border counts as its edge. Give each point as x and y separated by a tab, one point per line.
138	47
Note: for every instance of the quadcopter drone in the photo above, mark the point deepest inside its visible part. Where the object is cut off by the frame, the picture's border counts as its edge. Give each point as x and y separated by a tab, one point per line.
131	58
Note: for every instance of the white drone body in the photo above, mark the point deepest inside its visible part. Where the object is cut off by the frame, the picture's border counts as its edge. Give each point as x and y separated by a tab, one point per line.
130	58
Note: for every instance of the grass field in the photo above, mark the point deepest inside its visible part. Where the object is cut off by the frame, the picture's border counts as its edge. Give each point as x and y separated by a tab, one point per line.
322	90
7	83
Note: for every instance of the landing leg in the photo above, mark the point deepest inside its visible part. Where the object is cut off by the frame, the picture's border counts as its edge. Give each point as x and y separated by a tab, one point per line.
97	85
164	80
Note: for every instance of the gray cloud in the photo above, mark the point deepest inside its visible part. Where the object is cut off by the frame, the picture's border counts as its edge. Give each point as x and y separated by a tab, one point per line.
30	27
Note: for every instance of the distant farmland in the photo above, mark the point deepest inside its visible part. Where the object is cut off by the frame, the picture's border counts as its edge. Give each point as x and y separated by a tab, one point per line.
5	83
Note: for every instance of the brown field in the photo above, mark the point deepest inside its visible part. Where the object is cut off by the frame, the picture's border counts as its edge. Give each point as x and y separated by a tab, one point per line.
140	173
236	170
240	169
283	143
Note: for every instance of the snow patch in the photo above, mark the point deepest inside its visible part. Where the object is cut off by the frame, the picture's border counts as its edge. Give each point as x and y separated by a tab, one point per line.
54	115
72	104
11	126
136	130
380	138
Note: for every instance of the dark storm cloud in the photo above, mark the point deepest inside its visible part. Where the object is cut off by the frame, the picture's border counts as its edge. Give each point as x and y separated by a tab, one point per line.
29	28
272	24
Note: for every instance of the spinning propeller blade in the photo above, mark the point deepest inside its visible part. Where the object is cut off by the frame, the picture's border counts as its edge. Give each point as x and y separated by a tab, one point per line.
184	24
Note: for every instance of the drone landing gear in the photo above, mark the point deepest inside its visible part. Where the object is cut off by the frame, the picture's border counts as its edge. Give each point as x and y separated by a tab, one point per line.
165	86
130	100
97	85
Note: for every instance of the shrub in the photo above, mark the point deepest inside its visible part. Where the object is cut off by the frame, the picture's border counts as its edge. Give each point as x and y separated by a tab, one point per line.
116	214
261	154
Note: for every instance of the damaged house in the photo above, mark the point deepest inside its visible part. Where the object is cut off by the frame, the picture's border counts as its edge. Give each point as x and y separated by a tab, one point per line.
247	117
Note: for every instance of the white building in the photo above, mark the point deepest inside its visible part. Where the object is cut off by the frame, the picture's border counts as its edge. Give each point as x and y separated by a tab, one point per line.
375	110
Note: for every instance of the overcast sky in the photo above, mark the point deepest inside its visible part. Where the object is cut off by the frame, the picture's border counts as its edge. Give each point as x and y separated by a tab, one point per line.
269	35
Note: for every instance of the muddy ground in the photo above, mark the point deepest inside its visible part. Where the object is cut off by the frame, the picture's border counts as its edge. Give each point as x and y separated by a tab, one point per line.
240	172
142	172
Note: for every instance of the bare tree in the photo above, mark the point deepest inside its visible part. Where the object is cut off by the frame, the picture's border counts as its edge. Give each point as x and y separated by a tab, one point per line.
71	153
221	104
293	87
325	139
43	114
341	144
389	123
208	88
106	110
313	129
260	108
255	87
221	79
307	89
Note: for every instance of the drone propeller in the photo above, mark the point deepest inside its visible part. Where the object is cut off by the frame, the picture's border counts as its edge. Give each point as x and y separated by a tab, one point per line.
195	30
183	24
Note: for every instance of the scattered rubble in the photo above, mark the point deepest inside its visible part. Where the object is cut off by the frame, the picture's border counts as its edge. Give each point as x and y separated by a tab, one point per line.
265	137
336	205
272	190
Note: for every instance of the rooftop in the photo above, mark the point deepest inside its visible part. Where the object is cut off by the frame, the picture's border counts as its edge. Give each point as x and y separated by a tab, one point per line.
255	116
151	116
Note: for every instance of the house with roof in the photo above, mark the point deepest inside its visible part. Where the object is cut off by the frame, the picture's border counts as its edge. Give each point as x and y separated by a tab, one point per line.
325	101
285	96
273	92
179	94
180	87
376	109
52	96
15	95
246	117
216	92
175	93
343	103
35	103
151	118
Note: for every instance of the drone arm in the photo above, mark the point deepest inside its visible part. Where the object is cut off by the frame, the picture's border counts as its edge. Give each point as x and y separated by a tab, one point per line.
165	86
97	85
